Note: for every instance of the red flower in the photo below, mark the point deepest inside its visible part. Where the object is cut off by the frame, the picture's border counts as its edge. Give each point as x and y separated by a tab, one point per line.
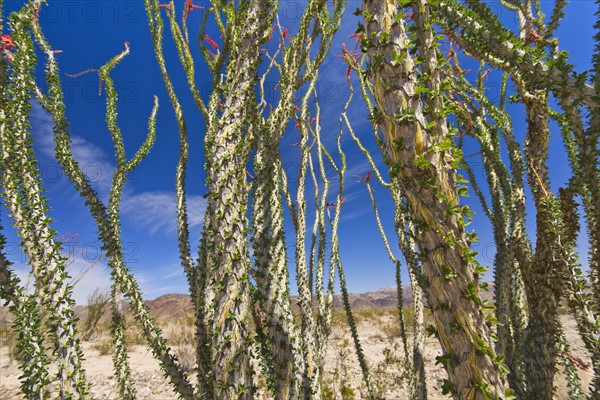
211	42
271	34
348	72
354	55
408	15
532	36
6	43
188	7
366	178
486	73
333	204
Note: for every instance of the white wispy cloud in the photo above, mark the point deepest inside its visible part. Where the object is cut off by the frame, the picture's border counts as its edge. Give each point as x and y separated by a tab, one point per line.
85	276
157	211
172	280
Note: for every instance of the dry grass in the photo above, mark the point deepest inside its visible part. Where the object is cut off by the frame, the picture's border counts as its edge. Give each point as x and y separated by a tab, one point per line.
182	338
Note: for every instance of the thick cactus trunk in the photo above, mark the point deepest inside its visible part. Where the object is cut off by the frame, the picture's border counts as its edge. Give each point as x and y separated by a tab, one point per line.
427	177
227	259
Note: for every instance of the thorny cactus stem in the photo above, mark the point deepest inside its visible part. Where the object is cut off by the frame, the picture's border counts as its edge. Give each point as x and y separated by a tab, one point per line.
506	214
233	122
54	103
22	192
426	173
271	275
492	42
405	232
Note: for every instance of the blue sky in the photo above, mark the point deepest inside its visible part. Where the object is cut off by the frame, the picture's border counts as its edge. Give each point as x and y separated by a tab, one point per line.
91	32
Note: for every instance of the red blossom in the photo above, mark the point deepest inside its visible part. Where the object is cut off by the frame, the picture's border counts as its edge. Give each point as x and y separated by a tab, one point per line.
333	204
6	43
271	34
211	42
354	55
486	73
296	108
366	178
312	121
285	34
188	7
408	15
532	36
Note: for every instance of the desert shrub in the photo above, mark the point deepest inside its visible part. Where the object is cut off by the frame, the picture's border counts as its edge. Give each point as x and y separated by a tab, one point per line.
392	371
103	346
134	335
9	339
182	339
97	304
338	382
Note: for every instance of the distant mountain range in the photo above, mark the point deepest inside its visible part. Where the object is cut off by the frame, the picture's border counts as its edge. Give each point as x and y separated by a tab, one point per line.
177	306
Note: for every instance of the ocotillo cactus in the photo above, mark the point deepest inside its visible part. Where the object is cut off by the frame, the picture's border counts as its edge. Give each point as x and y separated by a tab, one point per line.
416	148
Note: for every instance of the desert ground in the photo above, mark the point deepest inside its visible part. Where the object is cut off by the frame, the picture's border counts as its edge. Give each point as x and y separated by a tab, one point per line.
377	326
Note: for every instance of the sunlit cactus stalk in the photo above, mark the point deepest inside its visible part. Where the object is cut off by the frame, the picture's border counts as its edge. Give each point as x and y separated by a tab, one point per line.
23	196
235	124
108	222
414	149
505	211
279	338
550	268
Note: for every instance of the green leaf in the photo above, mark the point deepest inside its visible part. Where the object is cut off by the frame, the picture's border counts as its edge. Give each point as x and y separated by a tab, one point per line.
448	272
446	387
480	269
430	329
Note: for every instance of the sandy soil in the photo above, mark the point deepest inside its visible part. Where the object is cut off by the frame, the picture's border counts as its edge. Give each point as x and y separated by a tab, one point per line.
380	341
